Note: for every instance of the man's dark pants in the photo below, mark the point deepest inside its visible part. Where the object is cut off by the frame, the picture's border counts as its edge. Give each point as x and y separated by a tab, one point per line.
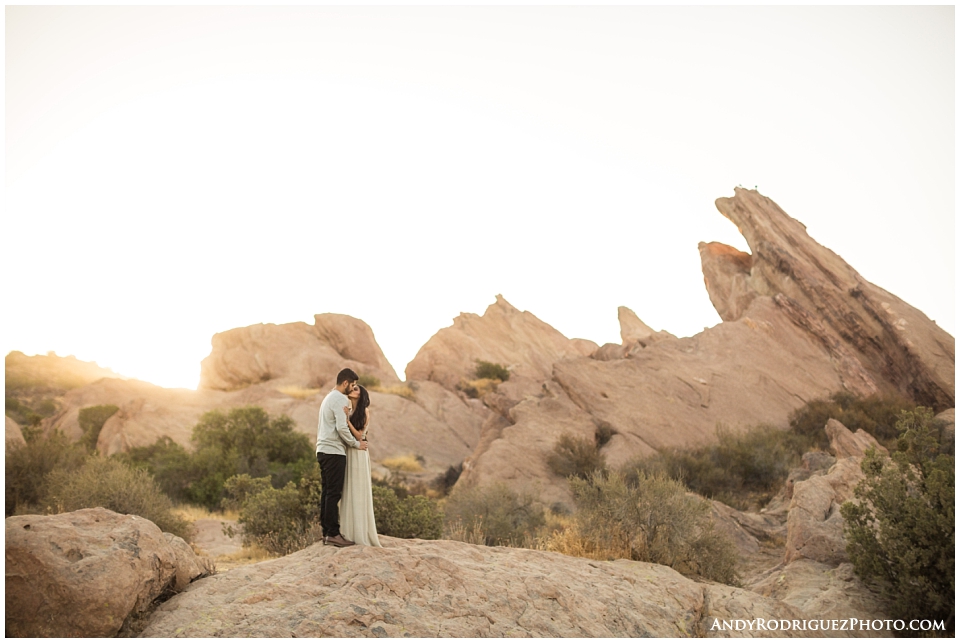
332	469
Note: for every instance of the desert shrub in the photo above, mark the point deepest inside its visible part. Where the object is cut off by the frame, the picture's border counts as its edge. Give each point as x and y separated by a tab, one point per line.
411	517
655	520
168	463
26	467
743	470
573	456
280	521
238	488
368	381
603	434
298	391
92	419
244	441
901	531
504	516
876	414
112	484
478	388
491	371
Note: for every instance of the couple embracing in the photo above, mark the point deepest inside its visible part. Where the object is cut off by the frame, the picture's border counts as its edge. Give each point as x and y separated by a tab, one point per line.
345	465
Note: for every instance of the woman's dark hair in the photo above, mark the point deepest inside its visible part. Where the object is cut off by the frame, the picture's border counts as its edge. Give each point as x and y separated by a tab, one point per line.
359	416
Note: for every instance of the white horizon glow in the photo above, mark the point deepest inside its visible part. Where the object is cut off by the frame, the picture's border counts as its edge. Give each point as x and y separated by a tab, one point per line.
174	172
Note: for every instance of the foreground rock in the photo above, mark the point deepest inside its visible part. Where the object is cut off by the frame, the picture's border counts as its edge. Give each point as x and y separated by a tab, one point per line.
413	588
13	432
84	573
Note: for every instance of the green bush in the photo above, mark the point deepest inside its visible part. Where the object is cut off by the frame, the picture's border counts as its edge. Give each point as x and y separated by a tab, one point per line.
239	488
494	515
169	464
743	470
409	517
243	441
876	414
92	419
901	531
26	467
573	456
277	520
657	521
112	484
491	371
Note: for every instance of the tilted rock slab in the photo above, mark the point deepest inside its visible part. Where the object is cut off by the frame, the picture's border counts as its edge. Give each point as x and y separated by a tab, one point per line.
846	444
897	344
426	589
83	573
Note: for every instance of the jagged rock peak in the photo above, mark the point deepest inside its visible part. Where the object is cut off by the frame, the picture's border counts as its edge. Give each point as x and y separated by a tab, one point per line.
632	328
504	335
896	343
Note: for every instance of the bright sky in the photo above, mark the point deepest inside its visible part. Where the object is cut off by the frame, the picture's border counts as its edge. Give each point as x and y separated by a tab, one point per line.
175	172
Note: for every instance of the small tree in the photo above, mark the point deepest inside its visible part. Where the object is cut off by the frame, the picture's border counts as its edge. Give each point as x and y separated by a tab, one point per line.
573	456
901	531
27	465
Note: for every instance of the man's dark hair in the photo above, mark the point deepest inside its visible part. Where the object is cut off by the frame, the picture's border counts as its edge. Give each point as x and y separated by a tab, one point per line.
346	375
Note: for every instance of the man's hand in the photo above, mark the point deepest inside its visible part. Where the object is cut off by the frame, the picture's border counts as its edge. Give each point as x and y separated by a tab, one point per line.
346	410
363	445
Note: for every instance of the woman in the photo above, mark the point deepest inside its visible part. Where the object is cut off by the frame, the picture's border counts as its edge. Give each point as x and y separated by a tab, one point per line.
356	506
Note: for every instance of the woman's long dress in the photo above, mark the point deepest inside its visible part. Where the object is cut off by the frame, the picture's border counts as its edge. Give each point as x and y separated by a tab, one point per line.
356	506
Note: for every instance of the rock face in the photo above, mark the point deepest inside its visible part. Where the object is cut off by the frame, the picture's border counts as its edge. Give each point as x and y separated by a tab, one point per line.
13	431
895	343
51	371
503	335
444	588
296	354
84	573
845	444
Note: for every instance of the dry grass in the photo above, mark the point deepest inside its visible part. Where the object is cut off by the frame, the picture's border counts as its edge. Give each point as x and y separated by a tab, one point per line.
403	390
565	538
404	463
192	513
246	556
298	392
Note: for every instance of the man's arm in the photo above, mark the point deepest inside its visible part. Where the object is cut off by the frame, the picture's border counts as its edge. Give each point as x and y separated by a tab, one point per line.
343	430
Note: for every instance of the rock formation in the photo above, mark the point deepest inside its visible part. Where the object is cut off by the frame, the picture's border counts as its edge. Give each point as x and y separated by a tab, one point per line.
814	522
84	573
799	324
414	588
51	371
894	342
503	335
294	354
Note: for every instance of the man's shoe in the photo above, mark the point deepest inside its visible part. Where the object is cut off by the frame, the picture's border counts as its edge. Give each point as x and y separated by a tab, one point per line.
338	541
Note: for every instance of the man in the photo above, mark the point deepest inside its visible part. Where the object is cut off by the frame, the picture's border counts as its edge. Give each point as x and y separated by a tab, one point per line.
333	438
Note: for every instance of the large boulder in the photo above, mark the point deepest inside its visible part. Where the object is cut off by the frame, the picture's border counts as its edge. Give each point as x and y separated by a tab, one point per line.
51	371
503	335
846	444
84	573
814	522
294	354
425	589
